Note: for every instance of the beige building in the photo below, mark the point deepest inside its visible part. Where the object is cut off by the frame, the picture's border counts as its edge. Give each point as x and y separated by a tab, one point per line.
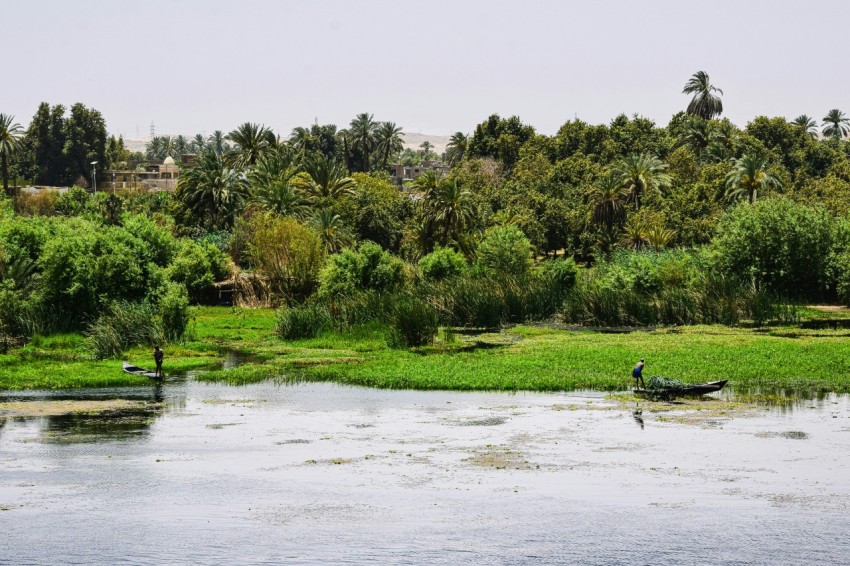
402	173
148	176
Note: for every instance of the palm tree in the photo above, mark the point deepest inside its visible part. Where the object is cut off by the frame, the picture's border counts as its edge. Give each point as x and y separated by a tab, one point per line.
198	143
640	173
345	137
750	175
450	206
153	149
332	231
252	141
218	143
301	140
807	124
426	147
456	148
273	187
10	142
212	191
697	134
426	182
835	124
388	141
657	236
181	145
326	180
634	234
167	147
704	103
608	211
362	131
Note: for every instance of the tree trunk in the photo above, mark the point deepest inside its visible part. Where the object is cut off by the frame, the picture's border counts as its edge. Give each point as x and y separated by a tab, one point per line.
5	176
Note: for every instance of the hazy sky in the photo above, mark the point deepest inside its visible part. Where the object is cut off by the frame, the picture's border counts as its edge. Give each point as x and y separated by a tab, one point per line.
431	66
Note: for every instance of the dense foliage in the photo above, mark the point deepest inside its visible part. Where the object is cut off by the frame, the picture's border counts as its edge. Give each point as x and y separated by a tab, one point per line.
628	222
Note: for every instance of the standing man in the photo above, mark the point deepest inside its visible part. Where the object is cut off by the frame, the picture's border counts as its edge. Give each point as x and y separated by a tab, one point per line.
158	354
637	373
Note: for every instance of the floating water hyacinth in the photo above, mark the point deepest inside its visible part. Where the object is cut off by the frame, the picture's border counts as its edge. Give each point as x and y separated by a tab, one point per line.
665	383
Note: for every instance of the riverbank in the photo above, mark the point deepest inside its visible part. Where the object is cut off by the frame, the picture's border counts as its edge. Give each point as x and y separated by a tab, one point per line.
534	358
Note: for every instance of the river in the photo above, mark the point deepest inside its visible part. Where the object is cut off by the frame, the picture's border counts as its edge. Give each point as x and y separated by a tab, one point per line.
320	473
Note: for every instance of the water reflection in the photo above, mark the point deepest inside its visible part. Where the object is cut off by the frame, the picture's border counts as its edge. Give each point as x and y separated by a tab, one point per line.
637	415
113	425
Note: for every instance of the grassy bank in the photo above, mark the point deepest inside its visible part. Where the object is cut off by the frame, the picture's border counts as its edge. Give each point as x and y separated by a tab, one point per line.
519	358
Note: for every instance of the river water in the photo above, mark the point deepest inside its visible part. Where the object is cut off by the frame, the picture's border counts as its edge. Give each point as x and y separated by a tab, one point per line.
321	473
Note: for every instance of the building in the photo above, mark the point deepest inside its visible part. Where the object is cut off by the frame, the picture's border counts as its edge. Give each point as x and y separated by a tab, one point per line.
402	173
146	176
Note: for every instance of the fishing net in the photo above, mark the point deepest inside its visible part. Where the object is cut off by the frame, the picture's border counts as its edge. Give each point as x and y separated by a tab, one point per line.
665	383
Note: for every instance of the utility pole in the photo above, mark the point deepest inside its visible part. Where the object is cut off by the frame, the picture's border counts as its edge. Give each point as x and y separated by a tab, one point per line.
94	174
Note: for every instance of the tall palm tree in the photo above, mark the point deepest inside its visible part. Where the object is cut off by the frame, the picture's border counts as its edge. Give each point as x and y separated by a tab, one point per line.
345	137
198	143
167	147
332	231
456	148
362	131
218	143
153	149
835	124
273	187
301	140
705	103
449	205
807	124
326	180
426	147
388	141
608	211
10	142
212	190
748	176
181	145
252	141
640	173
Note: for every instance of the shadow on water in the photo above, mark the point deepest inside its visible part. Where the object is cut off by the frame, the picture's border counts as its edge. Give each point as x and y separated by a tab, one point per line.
112	425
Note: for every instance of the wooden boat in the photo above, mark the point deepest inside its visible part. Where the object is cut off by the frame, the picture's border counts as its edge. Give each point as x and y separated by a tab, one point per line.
133	370
695	389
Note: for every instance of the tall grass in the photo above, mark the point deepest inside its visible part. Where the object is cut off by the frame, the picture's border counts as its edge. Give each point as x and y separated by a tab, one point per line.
123	325
413	321
615	296
302	321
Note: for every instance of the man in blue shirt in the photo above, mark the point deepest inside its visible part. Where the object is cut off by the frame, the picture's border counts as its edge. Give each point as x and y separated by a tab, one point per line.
637	373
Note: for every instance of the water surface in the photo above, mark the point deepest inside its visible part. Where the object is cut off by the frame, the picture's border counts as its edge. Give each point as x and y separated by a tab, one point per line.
318	473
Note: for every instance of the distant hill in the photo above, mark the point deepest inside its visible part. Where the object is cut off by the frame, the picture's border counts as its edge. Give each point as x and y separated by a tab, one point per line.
411	140
414	140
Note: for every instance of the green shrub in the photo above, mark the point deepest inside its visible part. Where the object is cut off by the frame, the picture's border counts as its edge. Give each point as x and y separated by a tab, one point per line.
122	325
160	241
191	267
782	246
505	249
288	253
174	311
370	268
74	202
303	321
442	263
414	322
84	267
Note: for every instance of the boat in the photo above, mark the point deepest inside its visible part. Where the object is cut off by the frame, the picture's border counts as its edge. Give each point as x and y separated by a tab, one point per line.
694	389
134	370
